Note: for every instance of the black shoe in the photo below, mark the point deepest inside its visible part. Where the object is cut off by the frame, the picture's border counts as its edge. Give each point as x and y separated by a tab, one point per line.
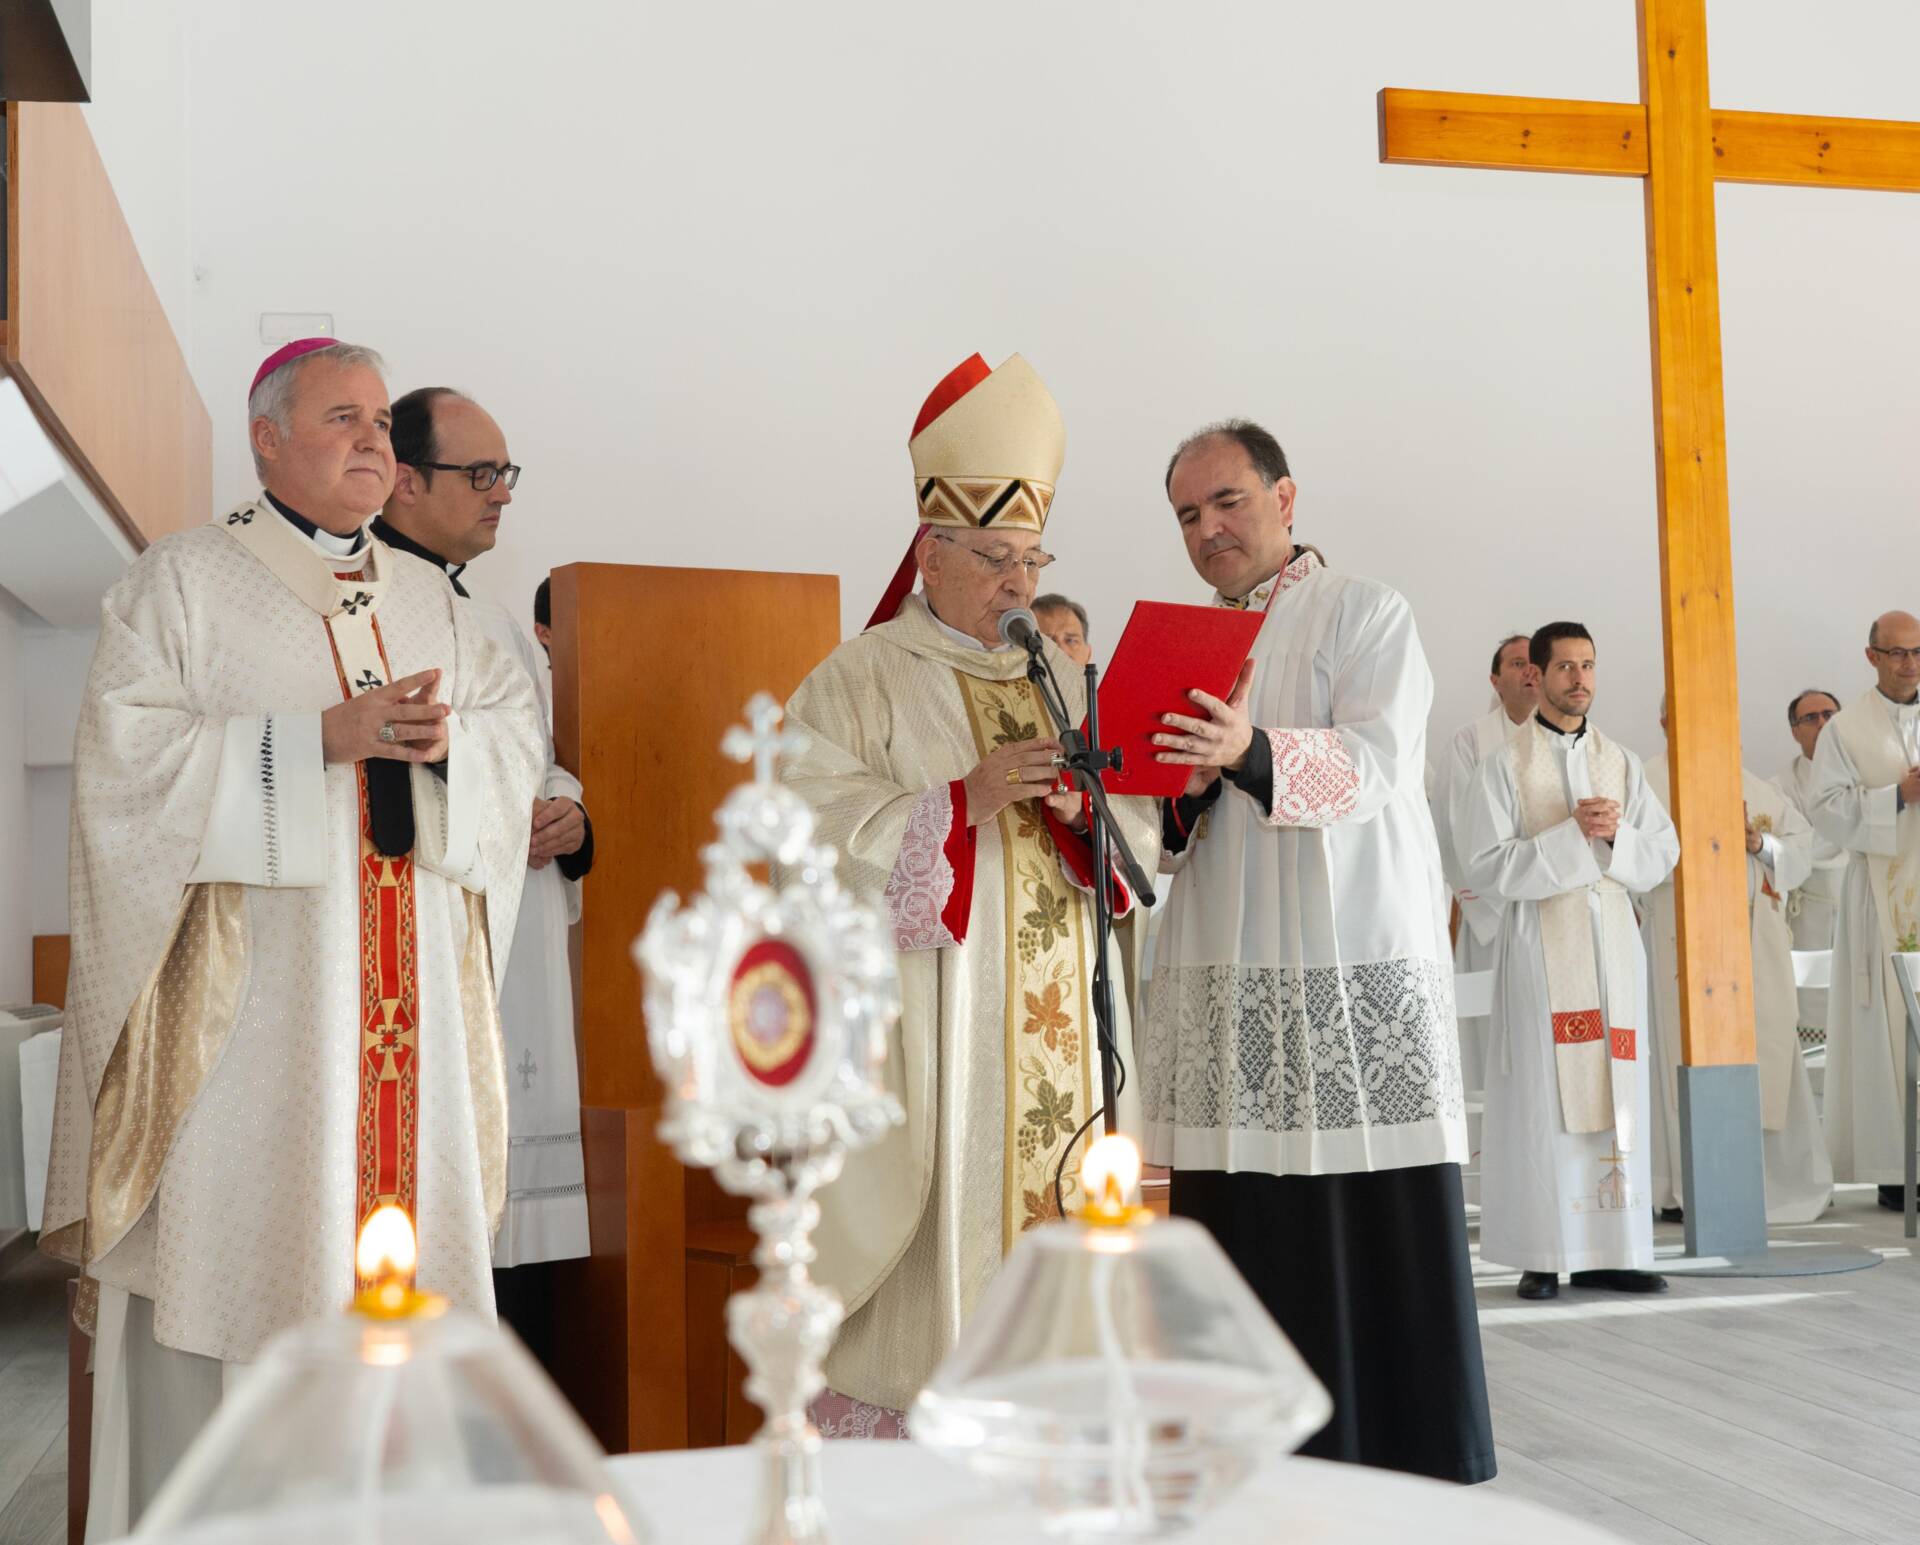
1672	1215
1620	1281
1893	1198
1539	1284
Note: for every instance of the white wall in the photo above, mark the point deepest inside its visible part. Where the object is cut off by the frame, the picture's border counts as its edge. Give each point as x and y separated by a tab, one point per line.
703	261
139	122
16	847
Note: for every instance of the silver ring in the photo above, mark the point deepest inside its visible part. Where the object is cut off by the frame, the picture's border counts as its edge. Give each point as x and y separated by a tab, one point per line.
386	733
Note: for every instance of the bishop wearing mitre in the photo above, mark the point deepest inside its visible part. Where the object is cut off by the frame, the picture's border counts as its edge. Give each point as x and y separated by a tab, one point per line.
303	779
930	767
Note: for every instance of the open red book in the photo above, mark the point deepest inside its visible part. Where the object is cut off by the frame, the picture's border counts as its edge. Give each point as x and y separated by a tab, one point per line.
1165	651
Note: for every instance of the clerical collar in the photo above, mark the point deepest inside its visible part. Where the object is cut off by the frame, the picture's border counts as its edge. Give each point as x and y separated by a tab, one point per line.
1912	702
1573	735
328	543
393	536
1302	563
964	640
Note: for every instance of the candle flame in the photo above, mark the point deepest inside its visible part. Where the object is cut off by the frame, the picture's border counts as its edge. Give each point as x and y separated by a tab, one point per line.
1109	1178
387	1251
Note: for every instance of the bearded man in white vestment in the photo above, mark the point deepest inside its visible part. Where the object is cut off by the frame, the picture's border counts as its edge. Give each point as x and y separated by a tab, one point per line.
1798	1173
301	784
453	481
1866	800
1516	690
1299	1069
930	762
1560	828
1813	909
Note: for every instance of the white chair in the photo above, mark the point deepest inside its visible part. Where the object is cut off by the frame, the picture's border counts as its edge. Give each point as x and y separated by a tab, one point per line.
1813	968
1473	994
1907	969
1473	999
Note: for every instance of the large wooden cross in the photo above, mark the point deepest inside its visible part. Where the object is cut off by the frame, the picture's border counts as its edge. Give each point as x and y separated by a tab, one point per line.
1679	145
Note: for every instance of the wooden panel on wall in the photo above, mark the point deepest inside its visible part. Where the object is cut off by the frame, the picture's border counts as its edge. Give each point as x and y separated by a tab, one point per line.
87	338
651	666
50	968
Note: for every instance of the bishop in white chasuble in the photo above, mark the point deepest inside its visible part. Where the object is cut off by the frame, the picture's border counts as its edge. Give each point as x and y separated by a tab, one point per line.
1799	1176
1866	800
1561	828
281	1011
1299	1068
928	753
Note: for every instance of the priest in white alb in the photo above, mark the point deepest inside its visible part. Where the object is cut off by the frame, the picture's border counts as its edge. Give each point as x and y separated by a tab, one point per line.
302	779
1813	909
1298	1063
1799	1176
1866	800
1560	827
930	766
453	484
1516	691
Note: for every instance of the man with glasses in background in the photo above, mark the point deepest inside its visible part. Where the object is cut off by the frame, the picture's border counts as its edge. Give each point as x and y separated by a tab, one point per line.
1814	904
932	766
452	483
1866	800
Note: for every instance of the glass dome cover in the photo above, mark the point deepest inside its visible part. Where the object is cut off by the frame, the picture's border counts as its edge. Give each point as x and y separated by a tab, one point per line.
1121	1374
402	1422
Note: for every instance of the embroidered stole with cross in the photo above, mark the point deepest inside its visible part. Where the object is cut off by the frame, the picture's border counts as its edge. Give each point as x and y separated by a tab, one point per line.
387	1132
1594	1038
1049	1018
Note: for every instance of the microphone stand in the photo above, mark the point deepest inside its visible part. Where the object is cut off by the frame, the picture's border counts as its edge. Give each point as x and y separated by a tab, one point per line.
1085	762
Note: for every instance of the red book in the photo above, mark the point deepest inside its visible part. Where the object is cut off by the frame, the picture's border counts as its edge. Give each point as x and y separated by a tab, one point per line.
1165	651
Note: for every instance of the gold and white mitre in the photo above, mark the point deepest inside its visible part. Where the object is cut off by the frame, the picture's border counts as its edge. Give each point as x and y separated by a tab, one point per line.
987	448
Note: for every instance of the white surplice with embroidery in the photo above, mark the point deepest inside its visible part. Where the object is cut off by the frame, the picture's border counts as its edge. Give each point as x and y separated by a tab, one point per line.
1858	762
546	1218
1799	1176
1550	1199
198	761
1300	1017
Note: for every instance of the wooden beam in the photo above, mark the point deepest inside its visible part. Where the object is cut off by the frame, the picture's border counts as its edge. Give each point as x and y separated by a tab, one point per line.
1529	134
1792	150
87	339
1696	557
1608	139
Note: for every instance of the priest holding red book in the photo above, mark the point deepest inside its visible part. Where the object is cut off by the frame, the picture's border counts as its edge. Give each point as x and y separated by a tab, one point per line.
1298	1063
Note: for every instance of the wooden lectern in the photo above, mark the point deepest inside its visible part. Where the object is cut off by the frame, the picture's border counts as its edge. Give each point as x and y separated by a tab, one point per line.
650	667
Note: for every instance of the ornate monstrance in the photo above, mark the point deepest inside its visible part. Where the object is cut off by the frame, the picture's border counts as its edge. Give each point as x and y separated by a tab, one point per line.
769	1006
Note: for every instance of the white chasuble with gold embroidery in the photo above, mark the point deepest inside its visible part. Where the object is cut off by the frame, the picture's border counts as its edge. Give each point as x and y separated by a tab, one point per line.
1564	1160
1858	762
993	1058
1799	1177
273	1027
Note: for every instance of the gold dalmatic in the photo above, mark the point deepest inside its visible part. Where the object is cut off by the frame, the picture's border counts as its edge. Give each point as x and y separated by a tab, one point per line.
1049	1020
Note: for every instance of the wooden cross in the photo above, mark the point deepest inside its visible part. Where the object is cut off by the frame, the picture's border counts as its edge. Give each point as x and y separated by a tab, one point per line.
1680	146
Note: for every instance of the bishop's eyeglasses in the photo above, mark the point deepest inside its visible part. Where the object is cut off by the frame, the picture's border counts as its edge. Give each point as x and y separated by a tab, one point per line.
1000	560
484	473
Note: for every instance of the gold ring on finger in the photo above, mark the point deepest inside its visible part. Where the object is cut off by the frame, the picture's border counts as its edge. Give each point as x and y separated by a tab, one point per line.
1014	776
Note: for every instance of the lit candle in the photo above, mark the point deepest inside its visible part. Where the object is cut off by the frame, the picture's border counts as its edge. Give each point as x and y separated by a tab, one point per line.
386	1257
1109	1179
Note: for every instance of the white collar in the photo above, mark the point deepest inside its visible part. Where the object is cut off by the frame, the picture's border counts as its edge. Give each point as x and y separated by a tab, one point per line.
964	640
331	546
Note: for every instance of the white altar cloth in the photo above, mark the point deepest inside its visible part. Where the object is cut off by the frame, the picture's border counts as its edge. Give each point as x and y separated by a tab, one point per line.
900	1494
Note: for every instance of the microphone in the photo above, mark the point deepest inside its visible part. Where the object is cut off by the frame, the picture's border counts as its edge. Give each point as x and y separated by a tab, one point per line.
1021	627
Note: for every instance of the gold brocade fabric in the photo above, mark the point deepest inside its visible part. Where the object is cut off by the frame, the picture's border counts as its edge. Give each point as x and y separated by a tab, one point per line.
173	1035
486	1057
1049	1017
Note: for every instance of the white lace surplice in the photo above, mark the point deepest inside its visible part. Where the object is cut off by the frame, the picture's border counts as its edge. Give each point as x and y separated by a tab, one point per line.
1300	1018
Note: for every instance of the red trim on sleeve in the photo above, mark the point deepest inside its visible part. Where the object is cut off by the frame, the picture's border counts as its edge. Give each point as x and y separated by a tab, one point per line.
959	850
